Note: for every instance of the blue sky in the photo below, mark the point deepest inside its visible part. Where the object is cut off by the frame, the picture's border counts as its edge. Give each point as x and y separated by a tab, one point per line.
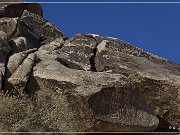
152	27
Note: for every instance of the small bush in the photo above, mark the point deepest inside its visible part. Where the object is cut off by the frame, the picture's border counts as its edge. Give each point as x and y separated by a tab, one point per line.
12	111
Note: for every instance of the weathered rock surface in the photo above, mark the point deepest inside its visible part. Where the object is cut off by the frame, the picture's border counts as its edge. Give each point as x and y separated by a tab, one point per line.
19	78
54	70
157	79
15	28
121	109
90	86
40	27
4	52
21	44
85	87
1	80
53	46
78	52
48	51
16	60
15	8
9	26
103	97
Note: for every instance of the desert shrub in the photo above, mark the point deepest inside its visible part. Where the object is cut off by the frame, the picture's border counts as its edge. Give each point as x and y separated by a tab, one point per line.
54	111
12	111
47	112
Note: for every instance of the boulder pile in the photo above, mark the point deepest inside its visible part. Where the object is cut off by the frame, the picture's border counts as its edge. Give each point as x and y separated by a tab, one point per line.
110	84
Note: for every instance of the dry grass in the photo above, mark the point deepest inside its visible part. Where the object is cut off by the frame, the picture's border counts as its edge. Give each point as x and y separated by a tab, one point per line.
47	112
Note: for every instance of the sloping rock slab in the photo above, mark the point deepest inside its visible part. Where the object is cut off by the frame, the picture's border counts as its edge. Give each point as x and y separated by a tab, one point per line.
40	27
115	44
78	52
16	60
157	79
85	83
110	92
48	51
121	109
19	78
53	46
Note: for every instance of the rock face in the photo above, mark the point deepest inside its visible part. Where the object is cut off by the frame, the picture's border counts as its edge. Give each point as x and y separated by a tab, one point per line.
9	26
108	84
15	8
19	78
21	44
156	78
40	27
120	109
1	80
17	59
78	52
90	86
4	52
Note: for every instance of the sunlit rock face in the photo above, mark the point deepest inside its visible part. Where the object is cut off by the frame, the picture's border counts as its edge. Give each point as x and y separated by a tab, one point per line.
109	85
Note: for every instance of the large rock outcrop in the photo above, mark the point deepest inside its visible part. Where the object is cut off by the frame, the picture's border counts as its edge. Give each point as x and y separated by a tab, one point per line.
91	87
40	27
157	79
107	84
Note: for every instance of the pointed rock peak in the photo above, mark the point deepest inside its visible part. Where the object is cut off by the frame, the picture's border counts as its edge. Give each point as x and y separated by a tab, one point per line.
41	28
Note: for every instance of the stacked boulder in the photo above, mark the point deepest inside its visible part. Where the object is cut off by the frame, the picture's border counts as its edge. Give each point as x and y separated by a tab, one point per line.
112	85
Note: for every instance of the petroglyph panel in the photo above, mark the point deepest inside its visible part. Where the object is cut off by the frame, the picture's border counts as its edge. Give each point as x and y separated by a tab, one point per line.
120	105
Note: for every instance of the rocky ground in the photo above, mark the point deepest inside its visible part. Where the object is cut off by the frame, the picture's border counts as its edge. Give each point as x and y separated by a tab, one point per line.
87	83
